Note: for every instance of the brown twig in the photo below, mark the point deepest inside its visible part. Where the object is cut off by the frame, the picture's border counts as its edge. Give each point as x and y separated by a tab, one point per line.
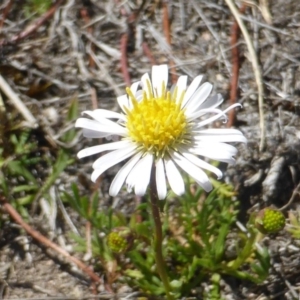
124	43
5	12
33	27
166	28
85	16
128	39
234	90
42	239
256	69
124	61
148	53
94	97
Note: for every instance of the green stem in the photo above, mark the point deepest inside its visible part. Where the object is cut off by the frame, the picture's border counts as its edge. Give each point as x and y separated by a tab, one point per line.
246	252
158	239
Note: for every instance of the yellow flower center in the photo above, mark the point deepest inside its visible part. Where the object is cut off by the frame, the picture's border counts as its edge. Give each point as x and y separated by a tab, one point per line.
156	124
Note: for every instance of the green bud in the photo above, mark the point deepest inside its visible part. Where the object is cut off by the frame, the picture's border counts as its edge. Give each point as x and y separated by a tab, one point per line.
269	220
120	239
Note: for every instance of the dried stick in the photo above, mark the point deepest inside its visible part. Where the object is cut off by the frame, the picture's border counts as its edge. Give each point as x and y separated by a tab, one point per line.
148	53
85	16
33	27
5	12
234	92
17	102
166	28
42	239
256	70
128	39
124	61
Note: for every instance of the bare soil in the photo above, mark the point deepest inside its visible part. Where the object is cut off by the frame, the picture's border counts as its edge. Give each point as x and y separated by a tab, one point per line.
76	53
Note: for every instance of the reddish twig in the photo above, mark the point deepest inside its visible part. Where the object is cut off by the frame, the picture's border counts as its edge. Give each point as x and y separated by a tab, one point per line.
148	53
128	39
166	28
42	239
124	61
33	27
234	91
85	16
94	97
124	43
5	12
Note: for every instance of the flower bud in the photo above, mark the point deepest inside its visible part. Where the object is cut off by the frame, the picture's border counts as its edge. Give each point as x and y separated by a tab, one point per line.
269	220
120	239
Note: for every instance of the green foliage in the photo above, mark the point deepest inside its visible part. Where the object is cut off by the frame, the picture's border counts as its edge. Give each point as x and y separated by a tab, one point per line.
294	224
198	231
17	163
33	7
28	164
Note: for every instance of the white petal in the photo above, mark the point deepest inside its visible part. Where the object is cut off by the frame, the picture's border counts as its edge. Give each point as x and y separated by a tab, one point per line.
134	87
139	177
122	174
199	175
215	117
174	177
144	176
139	95
160	178
114	155
201	112
100	114
212	102
110	127
146	84
181	86
203	164
123	102
108	160
217	151
100	148
217	131
92	134
198	98
191	89
220	137
159	79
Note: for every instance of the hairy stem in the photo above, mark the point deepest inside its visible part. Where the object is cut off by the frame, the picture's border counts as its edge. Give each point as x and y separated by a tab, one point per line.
158	238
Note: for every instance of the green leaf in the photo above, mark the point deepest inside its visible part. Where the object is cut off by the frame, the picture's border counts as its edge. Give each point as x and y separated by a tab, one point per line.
72	115
62	161
18	168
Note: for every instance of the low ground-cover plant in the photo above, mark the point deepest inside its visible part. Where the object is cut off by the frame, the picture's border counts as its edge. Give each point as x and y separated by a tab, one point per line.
199	231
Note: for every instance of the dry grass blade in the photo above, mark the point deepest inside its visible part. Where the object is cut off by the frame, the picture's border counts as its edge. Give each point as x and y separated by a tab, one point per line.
265	10
17	102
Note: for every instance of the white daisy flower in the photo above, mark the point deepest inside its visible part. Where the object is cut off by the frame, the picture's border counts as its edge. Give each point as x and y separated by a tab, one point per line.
161	131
